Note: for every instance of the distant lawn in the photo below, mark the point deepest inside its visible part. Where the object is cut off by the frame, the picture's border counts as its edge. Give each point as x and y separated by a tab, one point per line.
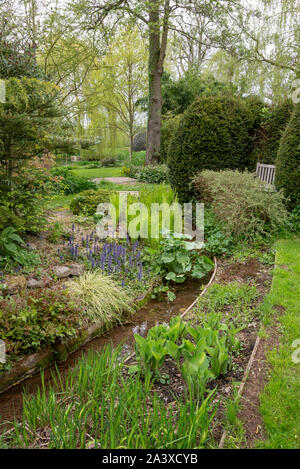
98	172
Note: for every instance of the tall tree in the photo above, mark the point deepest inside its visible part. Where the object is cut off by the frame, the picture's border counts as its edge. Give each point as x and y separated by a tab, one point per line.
158	18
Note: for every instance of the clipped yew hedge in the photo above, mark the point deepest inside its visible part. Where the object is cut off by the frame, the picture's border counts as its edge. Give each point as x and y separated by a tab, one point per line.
212	134
288	160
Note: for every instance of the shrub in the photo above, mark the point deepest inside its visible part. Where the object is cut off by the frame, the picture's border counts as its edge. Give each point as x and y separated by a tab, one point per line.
168	128
212	134
241	204
109	162
70	183
270	133
87	202
139	141
152	174
288	160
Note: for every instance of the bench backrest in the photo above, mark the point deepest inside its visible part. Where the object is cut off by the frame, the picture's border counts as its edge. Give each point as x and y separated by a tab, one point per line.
266	172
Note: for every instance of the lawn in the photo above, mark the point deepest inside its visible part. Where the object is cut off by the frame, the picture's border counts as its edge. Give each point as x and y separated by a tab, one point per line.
98	172
280	401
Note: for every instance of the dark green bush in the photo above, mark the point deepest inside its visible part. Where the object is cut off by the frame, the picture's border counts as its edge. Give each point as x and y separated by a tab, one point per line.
87	202
212	134
288	160
270	133
168	128
109	162
140	141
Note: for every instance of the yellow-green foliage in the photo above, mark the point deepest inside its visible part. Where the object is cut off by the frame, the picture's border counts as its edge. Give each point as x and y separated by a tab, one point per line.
100	296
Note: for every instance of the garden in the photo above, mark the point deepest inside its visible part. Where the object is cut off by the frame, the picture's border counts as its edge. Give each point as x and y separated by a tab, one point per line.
178	329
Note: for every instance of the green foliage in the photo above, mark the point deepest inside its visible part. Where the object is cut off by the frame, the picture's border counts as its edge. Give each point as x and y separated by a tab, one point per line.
69	183
151	174
86	202
269	134
288	160
178	94
240	203
29	322
156	194
294	219
178	258
168	129
212	134
231	303
206	357
12	249
111	411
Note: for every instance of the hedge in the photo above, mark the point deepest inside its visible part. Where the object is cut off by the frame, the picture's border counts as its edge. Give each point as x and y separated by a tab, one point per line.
212	134
288	160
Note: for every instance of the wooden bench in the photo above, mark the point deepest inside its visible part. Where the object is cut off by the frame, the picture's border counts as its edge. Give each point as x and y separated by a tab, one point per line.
266	173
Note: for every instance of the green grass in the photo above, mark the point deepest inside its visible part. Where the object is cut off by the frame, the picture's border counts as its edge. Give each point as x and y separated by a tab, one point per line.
98	172
280	401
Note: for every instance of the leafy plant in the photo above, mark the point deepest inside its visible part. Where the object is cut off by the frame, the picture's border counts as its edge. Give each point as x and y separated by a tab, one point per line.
12	249
177	259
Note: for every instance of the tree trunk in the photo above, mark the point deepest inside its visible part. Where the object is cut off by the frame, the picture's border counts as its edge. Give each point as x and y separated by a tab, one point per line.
157	53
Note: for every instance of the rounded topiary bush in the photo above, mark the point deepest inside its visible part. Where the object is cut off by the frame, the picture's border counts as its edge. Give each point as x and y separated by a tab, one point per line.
168	128
86	202
140	141
212	134
288	160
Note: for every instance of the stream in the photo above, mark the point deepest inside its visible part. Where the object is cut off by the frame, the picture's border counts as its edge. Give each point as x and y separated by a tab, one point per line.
152	313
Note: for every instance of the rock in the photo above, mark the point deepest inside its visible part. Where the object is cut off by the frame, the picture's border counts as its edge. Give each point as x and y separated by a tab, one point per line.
33	283
61	271
73	270
76	270
15	284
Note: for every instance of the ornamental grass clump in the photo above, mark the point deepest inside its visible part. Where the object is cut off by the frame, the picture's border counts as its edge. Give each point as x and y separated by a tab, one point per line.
100	296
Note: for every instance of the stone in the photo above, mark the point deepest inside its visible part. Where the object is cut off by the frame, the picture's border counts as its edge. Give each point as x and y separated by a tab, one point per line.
33	283
15	284
61	271
76	270
73	270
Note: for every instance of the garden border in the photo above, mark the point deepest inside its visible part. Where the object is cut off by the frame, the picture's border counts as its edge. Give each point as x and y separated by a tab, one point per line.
59	352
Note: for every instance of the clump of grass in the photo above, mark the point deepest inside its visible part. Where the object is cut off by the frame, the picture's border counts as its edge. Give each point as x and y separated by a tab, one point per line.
96	405
101	297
